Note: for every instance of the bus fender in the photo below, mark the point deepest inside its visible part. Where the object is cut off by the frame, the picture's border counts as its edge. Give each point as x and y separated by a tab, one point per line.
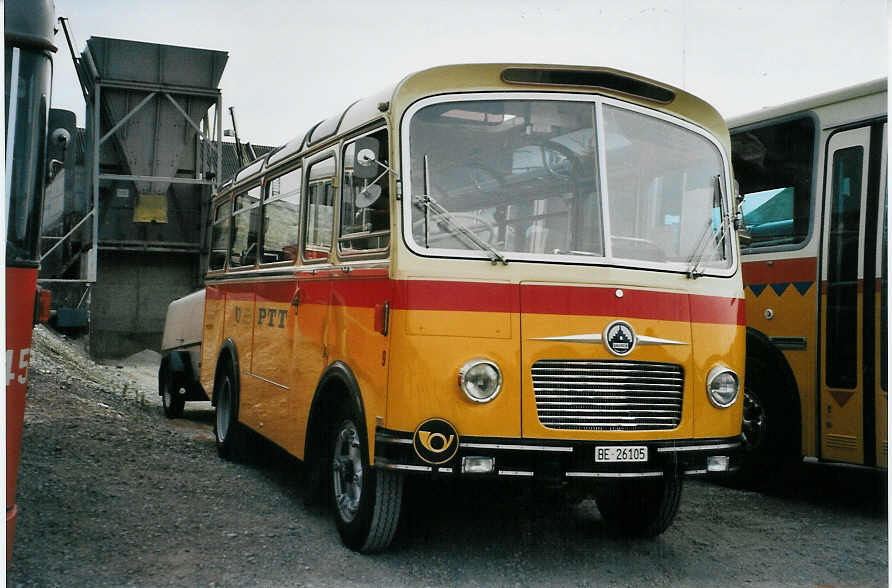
336	386
228	353
173	365
758	345
336	377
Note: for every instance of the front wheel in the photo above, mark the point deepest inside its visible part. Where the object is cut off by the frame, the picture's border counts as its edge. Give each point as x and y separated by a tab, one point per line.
366	501
768	428
640	508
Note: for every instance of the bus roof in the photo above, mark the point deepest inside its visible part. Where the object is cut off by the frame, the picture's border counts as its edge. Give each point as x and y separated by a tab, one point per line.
877	86
504	77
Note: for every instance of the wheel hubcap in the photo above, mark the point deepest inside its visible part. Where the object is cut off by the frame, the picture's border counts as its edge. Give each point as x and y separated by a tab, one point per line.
754	422
223	408
347	471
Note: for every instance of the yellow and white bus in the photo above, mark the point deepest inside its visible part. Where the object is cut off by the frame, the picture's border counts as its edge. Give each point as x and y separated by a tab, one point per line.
812	175
526	272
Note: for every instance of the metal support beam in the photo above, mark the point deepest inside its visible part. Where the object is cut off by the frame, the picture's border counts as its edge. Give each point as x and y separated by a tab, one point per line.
185	115
218	115
153	179
68	234
126	117
93	256
188	90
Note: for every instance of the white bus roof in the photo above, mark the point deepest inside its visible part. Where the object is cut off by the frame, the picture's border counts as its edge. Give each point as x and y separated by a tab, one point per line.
877	86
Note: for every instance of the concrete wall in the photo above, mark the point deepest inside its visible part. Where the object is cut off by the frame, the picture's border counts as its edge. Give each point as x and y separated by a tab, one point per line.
129	302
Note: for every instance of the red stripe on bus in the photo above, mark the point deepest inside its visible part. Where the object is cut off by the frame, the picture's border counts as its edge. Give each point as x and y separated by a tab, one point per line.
574	300
458	296
714	309
804	269
499	297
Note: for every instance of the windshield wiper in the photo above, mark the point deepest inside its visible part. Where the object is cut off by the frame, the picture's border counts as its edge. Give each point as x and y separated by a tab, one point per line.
431	205
441	213
704	238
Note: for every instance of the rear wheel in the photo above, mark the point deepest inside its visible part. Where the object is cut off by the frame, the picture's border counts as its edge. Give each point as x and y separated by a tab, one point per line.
642	508
366	501
171	400
225	420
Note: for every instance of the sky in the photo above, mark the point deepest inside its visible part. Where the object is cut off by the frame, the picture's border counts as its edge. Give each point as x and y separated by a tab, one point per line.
294	63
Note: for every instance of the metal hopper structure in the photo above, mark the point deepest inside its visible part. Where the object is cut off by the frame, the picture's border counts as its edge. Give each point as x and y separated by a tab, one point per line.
152	155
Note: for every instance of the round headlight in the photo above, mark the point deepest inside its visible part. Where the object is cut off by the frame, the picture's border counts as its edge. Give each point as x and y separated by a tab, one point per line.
722	386
480	380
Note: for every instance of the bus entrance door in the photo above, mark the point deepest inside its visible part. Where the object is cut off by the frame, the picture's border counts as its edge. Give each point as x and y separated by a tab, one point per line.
847	378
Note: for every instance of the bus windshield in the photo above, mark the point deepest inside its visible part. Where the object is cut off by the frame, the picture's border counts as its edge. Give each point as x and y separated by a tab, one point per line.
537	179
27	105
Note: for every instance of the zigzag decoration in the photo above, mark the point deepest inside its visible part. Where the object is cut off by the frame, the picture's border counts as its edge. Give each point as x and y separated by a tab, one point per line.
757	288
803	287
780	287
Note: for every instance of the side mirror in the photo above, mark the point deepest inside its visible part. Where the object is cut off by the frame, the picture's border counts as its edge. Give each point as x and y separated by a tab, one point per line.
367	158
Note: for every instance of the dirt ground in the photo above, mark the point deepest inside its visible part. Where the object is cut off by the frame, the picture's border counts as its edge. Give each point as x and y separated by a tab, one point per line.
111	493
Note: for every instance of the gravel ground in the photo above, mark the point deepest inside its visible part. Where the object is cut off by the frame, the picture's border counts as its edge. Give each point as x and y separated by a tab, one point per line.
111	493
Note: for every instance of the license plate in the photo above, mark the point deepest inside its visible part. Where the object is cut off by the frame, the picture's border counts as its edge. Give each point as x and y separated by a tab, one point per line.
622	453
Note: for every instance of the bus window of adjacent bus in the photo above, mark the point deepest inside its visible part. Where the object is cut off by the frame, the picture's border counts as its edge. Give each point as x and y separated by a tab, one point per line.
365	204
774	165
320	208
281	218
245	229
220	236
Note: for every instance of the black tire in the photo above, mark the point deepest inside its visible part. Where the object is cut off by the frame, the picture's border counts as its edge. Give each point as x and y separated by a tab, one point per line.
640	508
769	427
171	400
225	412
366	501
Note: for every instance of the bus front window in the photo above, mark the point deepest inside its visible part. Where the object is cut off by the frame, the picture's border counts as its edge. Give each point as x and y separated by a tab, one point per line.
525	177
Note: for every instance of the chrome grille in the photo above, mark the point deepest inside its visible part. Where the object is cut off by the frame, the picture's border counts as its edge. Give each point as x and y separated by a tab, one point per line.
594	395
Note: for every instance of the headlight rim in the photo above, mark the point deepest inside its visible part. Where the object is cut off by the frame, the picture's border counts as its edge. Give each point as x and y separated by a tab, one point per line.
463	372
715	372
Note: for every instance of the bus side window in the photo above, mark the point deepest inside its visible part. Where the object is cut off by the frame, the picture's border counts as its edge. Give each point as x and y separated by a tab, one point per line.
220	236
320	208
245	229
281	218
365	203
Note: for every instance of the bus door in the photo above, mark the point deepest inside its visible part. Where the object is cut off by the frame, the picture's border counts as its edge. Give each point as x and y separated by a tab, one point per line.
239	309
274	322
881	365
848	422
310	302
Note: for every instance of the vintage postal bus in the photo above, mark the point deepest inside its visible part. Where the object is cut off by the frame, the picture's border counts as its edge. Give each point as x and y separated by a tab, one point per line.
813	179
511	271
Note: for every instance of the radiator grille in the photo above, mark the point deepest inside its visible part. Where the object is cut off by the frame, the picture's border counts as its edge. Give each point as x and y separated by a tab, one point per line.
594	395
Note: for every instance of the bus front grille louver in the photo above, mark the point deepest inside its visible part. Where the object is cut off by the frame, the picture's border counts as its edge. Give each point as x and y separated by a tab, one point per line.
594	395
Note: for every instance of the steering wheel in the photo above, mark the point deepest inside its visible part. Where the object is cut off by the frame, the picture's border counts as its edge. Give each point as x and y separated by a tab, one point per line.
554	154
472	222
476	174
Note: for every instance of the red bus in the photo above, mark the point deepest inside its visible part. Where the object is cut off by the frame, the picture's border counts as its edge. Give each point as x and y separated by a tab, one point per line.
29	29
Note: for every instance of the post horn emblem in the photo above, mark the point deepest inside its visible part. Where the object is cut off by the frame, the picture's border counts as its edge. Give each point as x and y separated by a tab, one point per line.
435	441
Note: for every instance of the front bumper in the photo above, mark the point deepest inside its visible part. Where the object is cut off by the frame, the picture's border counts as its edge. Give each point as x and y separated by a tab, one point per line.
558	461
